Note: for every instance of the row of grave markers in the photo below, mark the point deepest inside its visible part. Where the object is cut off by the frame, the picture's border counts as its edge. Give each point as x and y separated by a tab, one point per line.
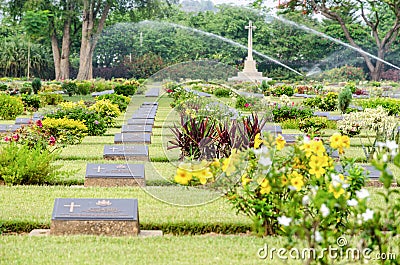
115	217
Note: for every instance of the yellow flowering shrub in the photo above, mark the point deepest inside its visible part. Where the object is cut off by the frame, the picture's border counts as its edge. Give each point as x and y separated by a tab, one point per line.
107	110
272	178
66	131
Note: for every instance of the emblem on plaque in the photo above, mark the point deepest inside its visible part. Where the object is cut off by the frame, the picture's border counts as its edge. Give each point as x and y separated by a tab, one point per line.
121	166
103	203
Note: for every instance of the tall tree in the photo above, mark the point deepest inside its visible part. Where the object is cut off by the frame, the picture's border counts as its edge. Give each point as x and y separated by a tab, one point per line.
67	12
94	16
381	17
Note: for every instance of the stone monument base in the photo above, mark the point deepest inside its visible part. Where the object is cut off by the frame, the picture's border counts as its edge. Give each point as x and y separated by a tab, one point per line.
94	227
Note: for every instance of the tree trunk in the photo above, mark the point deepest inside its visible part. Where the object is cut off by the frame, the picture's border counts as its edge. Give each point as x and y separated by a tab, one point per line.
90	37
65	50
56	55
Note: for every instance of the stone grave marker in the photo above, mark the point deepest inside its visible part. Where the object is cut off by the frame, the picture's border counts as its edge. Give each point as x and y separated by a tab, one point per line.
276	129
335	117
291	138
140	122
321	114
114	175
152	103
132	138
25	121
137	128
7	128
126	152
143	115
153	92
105	92
111	217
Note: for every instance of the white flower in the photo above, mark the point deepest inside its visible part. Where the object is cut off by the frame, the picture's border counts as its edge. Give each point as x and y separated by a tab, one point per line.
336	180
317	236
305	200
362	194
261	151
368	215
285	221
324	210
352	202
391	145
265	161
385	158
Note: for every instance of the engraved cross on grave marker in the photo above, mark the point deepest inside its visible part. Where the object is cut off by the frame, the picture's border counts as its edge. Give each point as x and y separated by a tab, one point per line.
113	148
99	168
71	206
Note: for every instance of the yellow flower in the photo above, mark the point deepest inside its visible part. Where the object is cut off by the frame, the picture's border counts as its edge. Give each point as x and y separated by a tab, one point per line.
317	170
284	180
203	175
336	140
297	182
317	148
182	176
215	163
265	187
228	164
280	142
245	180
307	148
336	192
318	161
258	141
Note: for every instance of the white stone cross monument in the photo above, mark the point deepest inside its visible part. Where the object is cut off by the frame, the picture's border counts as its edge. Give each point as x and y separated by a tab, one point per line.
249	72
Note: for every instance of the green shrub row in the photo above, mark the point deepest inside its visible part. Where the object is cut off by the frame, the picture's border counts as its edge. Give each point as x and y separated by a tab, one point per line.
392	106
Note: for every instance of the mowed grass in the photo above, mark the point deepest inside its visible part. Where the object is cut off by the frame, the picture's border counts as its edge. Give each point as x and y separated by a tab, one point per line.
160	207
152	250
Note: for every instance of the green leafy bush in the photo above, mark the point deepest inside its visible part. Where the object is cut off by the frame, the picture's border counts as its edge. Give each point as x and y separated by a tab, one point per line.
3	87
83	88
94	122
11	107
20	165
128	88
392	106
66	131
70	88
290	124
326	103
36	85
329	102
344	99
222	92
313	125
120	100
281	113
26	88
245	103
352	86
287	90
106	109
347	73
31	102
48	98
